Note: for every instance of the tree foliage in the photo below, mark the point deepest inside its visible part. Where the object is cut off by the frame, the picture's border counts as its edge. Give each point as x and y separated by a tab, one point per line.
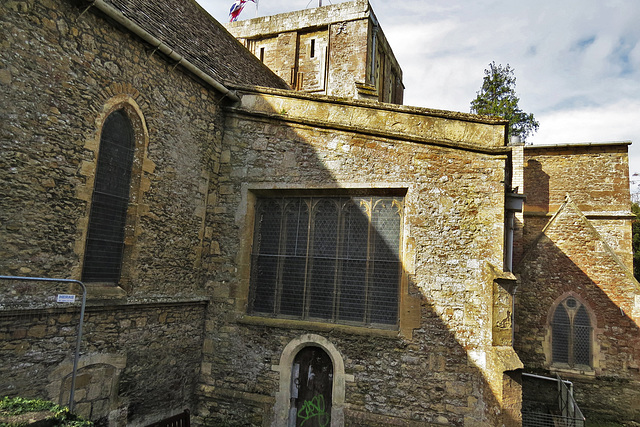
497	97
635	243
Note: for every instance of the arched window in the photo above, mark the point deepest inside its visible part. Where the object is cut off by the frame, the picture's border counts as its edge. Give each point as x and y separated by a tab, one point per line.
106	232
571	334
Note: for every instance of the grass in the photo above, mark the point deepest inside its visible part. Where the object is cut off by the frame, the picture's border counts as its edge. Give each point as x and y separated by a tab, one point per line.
16	411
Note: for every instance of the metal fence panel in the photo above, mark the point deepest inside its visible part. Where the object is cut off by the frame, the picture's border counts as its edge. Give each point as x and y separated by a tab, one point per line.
40	319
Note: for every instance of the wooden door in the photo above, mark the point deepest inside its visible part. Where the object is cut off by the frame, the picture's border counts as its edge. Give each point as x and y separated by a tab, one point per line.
311	387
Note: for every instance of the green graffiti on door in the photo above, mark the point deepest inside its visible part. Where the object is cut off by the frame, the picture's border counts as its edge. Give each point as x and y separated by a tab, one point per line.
314	408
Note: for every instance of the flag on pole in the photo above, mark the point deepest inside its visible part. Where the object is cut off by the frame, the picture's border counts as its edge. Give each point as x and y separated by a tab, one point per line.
236	8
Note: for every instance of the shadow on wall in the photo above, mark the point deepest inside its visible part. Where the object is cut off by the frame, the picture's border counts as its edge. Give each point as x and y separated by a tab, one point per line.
608	387
294	193
534	176
134	360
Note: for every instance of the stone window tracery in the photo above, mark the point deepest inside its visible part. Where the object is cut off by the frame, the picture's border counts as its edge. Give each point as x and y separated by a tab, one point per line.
571	334
330	259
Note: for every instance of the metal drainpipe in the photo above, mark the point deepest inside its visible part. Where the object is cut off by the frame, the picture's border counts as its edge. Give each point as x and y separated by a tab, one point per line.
159	45
78	339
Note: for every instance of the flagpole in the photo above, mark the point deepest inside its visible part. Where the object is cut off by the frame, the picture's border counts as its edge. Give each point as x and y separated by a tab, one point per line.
257	8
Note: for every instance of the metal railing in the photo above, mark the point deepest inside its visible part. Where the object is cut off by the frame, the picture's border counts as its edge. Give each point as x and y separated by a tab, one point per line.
80	323
563	413
568	406
183	419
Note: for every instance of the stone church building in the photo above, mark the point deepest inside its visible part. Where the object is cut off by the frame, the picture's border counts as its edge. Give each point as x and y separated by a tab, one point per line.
268	237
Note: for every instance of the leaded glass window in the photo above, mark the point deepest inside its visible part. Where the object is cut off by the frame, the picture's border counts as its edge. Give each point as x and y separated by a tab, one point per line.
110	200
334	259
571	334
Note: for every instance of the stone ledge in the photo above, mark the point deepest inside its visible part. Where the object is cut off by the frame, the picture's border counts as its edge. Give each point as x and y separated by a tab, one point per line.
391	136
588	214
99	292
316	326
102	305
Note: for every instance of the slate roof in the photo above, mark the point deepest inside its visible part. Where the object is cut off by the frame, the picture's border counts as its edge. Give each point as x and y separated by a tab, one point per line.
188	29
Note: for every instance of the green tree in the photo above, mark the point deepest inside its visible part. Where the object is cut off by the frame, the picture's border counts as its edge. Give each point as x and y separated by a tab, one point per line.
635	243
497	97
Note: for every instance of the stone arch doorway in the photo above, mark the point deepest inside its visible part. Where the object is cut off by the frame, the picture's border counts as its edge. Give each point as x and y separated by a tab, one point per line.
311	388
283	404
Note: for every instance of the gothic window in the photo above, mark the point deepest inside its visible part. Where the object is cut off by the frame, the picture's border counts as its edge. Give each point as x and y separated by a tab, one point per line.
571	334
110	200
332	259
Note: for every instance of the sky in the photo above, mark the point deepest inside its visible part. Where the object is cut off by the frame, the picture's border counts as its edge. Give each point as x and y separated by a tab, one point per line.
576	62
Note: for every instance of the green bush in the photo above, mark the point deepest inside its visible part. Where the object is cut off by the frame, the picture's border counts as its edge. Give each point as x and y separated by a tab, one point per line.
60	415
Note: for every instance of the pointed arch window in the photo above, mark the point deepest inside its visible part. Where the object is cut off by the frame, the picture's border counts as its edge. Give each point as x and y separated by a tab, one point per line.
110	200
571	334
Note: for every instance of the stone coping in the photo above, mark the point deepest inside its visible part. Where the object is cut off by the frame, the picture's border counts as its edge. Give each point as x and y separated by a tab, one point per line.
298	19
13	310
588	214
457	115
577	144
451	130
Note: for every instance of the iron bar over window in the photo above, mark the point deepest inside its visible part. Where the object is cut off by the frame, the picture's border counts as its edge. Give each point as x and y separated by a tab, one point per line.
333	259
110	200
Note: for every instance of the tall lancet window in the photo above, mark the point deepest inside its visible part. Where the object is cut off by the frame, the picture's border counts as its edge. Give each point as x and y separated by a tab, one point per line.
106	232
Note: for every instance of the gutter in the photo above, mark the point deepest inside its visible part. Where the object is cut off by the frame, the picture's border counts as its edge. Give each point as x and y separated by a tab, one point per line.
117	16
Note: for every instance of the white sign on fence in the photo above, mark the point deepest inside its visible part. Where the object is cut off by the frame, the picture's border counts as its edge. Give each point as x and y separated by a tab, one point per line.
66	298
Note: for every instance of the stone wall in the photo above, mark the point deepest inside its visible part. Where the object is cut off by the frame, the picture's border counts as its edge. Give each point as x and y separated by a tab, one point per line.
62	72
597	178
579	195
138	362
440	367
352	58
571	258
199	165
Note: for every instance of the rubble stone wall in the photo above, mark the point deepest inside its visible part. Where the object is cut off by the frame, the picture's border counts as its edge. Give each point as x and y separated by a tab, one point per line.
137	362
571	259
597	179
61	74
440	367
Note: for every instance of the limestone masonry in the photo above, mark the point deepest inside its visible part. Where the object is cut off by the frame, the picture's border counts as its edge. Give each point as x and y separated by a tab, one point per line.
280	242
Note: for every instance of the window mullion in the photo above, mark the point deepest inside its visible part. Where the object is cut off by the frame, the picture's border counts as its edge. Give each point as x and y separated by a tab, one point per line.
571	341
339	259
306	258
281	257
306	300
370	262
